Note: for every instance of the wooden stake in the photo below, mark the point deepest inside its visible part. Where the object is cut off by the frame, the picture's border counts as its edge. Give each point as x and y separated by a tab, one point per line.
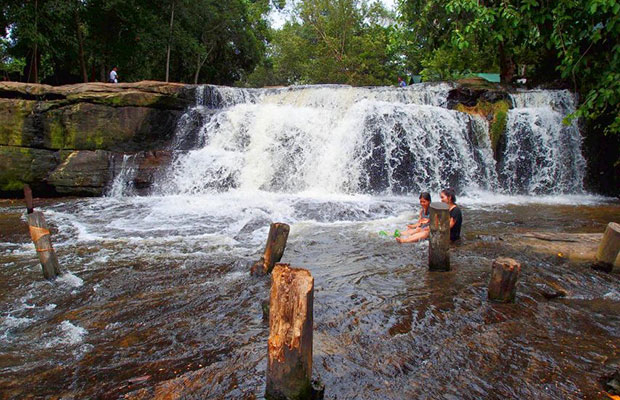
609	247
504	276
289	369
439	238
276	243
40	235
28	198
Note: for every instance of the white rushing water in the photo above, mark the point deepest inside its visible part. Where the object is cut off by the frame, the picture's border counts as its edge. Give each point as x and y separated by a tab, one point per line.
333	139
327	154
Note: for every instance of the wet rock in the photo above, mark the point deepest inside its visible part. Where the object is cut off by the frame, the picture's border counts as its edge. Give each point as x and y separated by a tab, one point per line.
551	290
150	166
82	172
612	383
21	165
124	118
250	227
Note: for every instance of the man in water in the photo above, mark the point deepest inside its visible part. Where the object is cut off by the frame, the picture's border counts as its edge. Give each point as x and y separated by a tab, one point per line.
113	75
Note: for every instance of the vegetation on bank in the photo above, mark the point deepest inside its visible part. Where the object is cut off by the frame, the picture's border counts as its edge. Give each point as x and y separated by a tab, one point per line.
567	43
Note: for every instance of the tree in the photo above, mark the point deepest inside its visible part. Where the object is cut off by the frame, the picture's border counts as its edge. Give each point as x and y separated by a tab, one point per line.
339	41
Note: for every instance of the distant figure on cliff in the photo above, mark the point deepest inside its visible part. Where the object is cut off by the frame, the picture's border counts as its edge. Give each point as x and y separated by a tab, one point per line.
420	230
401	82
113	75
456	217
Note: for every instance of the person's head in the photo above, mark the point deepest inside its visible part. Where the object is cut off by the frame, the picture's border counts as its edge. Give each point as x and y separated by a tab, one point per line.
114	68
448	196
425	199
400	79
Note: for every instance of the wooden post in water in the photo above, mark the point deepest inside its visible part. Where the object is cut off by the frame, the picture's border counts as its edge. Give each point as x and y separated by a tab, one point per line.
28	198
609	247
504	276
40	234
439	238
276	243
289	369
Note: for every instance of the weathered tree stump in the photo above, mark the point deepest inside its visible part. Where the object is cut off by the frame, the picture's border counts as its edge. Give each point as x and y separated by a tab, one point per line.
289	369
40	234
504	276
439	238
609	247
276	243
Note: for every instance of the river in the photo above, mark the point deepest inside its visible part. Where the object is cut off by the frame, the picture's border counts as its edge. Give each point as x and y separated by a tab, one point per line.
156	300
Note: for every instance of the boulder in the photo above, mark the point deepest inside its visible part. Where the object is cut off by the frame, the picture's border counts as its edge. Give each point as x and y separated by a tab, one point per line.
82	173
21	165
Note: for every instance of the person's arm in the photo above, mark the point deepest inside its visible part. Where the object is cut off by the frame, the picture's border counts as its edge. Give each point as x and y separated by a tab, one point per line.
418	224
452	222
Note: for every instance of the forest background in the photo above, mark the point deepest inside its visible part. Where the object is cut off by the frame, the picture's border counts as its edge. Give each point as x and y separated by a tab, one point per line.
571	44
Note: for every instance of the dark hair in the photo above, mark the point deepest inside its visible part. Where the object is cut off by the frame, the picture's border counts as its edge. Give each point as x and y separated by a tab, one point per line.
450	193
425	196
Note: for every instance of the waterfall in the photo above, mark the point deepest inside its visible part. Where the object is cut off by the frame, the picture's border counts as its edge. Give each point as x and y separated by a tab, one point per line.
122	185
337	139
542	154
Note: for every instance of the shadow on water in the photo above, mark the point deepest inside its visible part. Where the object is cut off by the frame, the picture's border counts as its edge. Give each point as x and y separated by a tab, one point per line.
170	311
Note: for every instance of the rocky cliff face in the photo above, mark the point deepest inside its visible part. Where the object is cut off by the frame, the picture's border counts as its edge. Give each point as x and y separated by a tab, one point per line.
67	140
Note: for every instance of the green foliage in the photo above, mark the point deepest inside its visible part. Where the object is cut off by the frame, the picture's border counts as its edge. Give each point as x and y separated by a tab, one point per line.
579	39
330	41
587	39
210	40
9	66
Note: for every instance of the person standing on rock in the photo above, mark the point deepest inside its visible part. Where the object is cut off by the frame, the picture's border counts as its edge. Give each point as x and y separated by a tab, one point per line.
456	217
113	75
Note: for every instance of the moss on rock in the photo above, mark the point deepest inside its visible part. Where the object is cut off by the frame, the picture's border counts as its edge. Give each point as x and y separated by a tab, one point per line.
13	114
495	113
20	165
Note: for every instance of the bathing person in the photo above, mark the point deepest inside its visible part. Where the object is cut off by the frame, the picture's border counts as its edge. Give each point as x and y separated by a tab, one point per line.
420	230
456	217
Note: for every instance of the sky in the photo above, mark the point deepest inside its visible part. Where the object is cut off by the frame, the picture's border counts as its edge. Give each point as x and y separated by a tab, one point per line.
278	18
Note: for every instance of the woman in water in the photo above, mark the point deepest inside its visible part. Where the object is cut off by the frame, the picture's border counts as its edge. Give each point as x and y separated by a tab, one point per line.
420	230
456	218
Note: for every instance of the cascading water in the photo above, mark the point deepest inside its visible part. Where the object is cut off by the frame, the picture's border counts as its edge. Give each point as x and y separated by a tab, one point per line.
542	154
122	185
344	140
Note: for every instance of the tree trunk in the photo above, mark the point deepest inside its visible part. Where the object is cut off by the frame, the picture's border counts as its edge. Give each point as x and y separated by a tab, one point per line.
169	41
28	198
274	249
439	237
199	65
289	368
40	235
80	39
609	247
504	276
506	65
